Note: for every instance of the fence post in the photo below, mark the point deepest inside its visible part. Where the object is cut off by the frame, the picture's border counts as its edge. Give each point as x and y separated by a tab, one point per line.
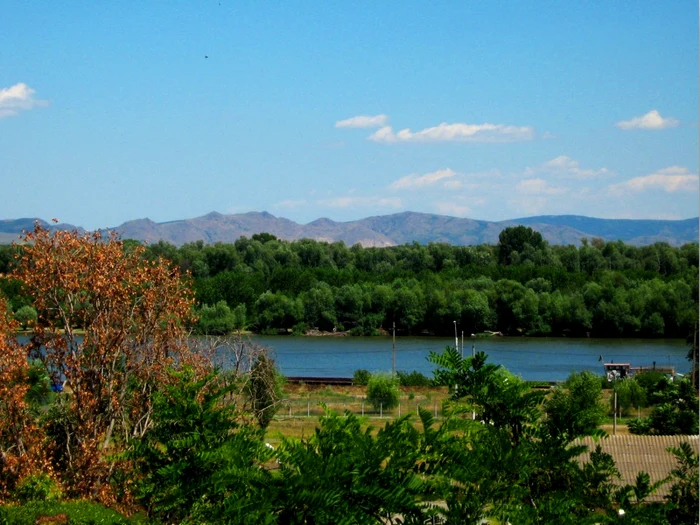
308	408
399	409
381	415
435	407
290	409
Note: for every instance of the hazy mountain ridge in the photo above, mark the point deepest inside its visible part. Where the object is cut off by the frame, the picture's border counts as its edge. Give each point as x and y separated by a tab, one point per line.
386	230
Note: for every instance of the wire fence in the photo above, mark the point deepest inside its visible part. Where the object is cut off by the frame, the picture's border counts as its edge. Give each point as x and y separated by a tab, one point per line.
314	407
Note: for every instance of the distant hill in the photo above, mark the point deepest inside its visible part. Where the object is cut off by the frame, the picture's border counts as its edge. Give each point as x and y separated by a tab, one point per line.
11	229
388	230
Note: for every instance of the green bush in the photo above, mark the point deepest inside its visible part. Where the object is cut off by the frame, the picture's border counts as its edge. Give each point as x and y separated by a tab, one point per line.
74	513
651	381
630	395
383	391
575	407
414	378
39	487
361	377
26	316
300	329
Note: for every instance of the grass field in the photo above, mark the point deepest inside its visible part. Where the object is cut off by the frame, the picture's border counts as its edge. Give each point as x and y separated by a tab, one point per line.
301	407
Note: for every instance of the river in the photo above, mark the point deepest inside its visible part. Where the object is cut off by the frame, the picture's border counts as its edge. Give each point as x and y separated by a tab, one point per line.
537	359
533	358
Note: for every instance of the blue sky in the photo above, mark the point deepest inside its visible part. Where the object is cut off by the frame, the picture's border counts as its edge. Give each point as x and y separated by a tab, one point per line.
112	111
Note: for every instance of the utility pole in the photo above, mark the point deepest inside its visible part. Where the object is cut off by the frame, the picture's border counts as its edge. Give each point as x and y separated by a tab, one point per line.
393	349
462	344
456	339
473	345
615	409
694	373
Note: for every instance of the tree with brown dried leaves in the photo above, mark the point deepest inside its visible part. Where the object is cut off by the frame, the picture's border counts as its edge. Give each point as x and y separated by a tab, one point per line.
110	325
21	452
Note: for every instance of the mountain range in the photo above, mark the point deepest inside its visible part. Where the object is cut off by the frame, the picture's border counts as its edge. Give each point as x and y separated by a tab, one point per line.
386	230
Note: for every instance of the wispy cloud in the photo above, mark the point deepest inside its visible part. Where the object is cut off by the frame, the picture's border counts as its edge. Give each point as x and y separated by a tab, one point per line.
19	97
652	120
415	181
537	187
361	202
567	167
457	132
672	179
363	121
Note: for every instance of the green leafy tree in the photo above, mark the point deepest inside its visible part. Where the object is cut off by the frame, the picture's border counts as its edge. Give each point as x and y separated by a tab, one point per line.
512	241
383	391
683	496
217	319
630	395
198	460
342	474
26	316
575	408
498	397
676	414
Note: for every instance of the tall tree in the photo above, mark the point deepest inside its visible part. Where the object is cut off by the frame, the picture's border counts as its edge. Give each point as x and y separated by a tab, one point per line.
513	240
109	324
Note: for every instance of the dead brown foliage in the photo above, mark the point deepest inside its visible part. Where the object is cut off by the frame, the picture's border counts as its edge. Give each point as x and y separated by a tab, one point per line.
110	326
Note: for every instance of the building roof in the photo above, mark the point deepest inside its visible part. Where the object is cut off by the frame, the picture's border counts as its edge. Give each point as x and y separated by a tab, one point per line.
633	454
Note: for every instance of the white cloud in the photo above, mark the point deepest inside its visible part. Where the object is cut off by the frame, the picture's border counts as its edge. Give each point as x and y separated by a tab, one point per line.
361	202
537	187
19	97
363	121
414	181
458	132
672	179
652	120
566	166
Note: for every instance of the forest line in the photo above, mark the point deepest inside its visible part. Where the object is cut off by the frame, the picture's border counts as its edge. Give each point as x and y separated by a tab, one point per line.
521	286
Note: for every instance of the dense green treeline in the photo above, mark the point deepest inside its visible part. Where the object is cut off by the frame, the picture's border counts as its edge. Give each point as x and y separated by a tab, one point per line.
520	286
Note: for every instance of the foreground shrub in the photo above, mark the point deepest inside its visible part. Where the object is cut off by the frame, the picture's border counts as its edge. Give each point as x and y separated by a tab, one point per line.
383	391
200	457
73	513
38	487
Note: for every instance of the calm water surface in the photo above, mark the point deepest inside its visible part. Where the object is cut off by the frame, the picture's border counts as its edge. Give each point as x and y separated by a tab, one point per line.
539	359
542	359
